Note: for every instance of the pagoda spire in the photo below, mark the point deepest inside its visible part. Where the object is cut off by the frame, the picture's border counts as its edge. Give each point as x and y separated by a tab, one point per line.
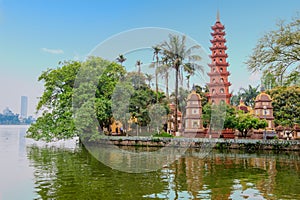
218	16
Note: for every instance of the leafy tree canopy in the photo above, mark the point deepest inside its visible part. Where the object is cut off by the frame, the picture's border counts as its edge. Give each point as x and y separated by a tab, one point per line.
248	95
220	116
245	122
278	53
286	105
92	83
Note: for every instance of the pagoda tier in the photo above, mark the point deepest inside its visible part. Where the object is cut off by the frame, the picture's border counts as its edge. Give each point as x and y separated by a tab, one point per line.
219	84
217	63
215	40
218	54
218	74
218	47
220	33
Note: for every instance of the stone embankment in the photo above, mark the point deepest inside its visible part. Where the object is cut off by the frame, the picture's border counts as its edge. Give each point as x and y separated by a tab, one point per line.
250	144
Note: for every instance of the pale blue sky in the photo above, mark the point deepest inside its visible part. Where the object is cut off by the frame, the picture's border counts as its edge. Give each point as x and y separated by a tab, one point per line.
37	34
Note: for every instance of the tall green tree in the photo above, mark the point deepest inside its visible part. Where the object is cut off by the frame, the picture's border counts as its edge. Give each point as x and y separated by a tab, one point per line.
202	91
163	71
269	80
219	116
278	52
156	51
138	65
248	95
55	104
149	77
76	91
246	122
179	55
286	105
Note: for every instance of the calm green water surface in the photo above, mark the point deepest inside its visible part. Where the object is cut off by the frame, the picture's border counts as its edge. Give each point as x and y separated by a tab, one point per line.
31	170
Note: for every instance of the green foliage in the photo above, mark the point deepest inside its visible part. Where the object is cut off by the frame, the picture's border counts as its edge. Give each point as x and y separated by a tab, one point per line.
141	102
230	121
286	105
245	122
134	98
180	58
56	121
269	80
248	95
206	115
76	99
220	116
162	134
158	115
202	91
278	53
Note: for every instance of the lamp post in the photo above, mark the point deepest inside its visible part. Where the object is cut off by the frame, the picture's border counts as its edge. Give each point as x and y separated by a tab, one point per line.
265	117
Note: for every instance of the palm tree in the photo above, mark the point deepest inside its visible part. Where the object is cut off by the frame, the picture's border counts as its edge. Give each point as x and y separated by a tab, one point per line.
163	70
179	55
121	59
138	65
149	77
188	81
156	51
249	95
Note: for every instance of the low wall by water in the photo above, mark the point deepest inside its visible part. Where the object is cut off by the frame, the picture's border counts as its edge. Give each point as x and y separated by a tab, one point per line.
250	144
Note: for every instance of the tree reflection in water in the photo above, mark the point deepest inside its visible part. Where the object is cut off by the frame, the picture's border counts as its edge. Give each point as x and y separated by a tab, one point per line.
64	174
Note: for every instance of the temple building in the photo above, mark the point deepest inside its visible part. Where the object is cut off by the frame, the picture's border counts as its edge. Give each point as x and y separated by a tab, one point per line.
263	108
193	115
243	107
219	84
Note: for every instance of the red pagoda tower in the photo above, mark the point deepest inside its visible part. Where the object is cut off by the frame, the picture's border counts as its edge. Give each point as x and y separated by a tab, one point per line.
218	85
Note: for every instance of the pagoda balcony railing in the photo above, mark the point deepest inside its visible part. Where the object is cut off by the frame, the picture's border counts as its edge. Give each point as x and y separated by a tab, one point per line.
217	33
217	83
215	40
217	63
218	73
215	55
219	95
218	47
225	64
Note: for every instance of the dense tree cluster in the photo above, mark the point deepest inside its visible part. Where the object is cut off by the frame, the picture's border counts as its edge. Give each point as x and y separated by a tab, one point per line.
85	98
286	105
248	96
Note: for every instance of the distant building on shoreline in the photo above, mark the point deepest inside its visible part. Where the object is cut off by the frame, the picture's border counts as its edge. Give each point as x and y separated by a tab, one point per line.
24	105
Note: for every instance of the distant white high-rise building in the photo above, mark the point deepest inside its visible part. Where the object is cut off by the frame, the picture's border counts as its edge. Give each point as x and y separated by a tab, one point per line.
24	104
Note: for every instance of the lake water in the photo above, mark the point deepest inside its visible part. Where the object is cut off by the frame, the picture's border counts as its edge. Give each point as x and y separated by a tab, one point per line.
64	170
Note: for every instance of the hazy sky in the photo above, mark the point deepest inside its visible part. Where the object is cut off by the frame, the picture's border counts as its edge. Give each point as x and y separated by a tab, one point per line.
37	34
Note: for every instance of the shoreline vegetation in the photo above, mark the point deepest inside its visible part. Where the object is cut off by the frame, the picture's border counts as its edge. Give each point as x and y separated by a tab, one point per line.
216	143
81	98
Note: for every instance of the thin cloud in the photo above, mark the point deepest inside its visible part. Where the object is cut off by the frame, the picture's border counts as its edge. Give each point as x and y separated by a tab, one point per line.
53	51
